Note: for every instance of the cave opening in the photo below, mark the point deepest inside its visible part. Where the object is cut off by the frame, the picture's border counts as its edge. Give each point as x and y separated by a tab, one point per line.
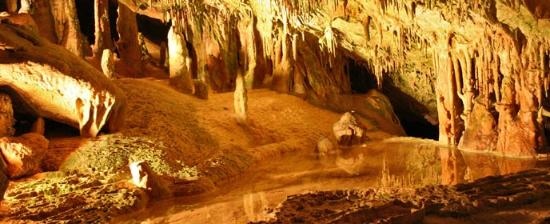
53	129
153	29
86	18
414	117
361	78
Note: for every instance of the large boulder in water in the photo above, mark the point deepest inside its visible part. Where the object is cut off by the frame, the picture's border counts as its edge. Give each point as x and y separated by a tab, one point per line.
349	130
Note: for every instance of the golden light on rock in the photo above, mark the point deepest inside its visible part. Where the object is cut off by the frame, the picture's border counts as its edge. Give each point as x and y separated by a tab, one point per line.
274	111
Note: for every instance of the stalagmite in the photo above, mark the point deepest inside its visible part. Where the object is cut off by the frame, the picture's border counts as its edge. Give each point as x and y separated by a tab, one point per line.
128	45
25	6
6	116
240	100
108	63
179	62
11	6
39	126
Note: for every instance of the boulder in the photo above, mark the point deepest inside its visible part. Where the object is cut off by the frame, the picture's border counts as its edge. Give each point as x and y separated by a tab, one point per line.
349	130
23	154
108	63
55	84
145	178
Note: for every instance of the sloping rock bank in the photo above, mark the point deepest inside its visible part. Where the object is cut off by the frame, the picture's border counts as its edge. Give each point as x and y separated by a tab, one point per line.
71	198
524	196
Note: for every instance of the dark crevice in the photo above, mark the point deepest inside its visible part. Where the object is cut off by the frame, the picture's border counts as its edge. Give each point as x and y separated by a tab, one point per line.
361	78
56	130
113	16
85	13
411	113
153	29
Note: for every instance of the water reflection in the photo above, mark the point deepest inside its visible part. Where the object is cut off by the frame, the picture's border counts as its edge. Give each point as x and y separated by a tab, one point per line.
400	162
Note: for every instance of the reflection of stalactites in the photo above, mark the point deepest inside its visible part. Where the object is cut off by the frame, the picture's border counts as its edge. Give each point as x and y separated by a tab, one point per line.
254	206
453	168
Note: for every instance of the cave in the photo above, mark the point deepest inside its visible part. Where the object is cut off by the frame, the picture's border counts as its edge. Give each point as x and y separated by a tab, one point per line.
85	11
361	78
169	111
153	29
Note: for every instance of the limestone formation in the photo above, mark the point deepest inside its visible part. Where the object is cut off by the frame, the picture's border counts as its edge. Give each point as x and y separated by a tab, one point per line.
6	116
179	61
4	181
67	26
11	6
108	63
23	154
349	130
240	100
39	126
57	85
201	89
128	45
140	174
102	24
23	19
145	178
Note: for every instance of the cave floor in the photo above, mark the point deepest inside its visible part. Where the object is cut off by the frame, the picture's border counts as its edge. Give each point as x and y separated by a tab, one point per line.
216	170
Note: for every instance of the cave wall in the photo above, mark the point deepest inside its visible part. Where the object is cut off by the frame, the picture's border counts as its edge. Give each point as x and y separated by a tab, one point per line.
480	67
482	59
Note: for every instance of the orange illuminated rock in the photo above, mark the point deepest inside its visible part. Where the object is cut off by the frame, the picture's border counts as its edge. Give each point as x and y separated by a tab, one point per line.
56	84
6	116
23	154
349	131
3	178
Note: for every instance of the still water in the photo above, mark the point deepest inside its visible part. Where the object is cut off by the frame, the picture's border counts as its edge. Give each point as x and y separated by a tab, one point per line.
400	162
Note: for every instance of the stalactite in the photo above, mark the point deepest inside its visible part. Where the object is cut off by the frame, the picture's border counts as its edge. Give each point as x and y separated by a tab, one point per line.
67	26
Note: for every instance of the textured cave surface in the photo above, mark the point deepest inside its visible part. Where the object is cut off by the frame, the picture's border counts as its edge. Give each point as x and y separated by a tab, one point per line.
274	111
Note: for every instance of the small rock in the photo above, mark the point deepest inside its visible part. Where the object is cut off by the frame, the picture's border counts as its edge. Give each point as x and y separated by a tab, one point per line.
23	154
349	131
140	174
108	63
143	177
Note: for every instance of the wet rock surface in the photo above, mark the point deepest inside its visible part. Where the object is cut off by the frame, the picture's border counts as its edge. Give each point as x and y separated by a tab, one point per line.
349	130
484	196
70	198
